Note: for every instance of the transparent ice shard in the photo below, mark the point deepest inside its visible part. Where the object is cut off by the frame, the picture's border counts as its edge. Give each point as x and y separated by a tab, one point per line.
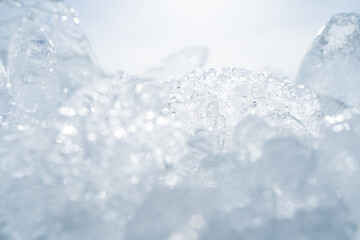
179	63
32	67
77	64
331	67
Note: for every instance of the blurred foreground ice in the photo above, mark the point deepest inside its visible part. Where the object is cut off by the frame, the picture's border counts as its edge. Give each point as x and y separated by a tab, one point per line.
175	154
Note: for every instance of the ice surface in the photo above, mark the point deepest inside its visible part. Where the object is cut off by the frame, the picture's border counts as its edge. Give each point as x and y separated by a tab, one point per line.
332	65
233	154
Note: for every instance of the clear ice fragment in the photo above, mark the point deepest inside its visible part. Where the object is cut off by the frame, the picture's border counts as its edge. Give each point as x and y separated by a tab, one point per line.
331	67
32	67
77	64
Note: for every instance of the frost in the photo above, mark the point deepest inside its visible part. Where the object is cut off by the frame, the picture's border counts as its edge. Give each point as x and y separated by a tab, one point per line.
181	153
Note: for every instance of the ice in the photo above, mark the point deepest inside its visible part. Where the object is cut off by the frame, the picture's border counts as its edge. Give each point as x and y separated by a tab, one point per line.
331	67
342	164
247	133
5	98
77	64
216	102
32	69
182	153
318	224
110	141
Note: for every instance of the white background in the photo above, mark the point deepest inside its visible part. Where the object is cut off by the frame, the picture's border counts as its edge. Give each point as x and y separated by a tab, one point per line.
132	35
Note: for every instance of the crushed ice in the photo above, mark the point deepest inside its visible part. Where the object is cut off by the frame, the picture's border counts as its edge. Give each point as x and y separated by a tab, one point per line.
176	153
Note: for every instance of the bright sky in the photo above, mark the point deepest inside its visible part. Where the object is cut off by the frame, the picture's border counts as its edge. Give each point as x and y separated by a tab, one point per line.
134	35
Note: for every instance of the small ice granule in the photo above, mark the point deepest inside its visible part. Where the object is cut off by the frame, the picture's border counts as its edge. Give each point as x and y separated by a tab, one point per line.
171	180
91	137
102	195
67	111
197	221
312	181
150	115
134	180
69	130
76	20
119	133
162	121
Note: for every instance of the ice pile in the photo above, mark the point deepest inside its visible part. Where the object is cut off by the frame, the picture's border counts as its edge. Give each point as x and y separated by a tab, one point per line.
176	153
207	101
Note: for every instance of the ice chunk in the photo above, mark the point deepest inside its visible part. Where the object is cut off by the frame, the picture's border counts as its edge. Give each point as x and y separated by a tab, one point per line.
77	64
277	192
179	63
290	154
32	70
331	67
251	133
202	97
339	155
